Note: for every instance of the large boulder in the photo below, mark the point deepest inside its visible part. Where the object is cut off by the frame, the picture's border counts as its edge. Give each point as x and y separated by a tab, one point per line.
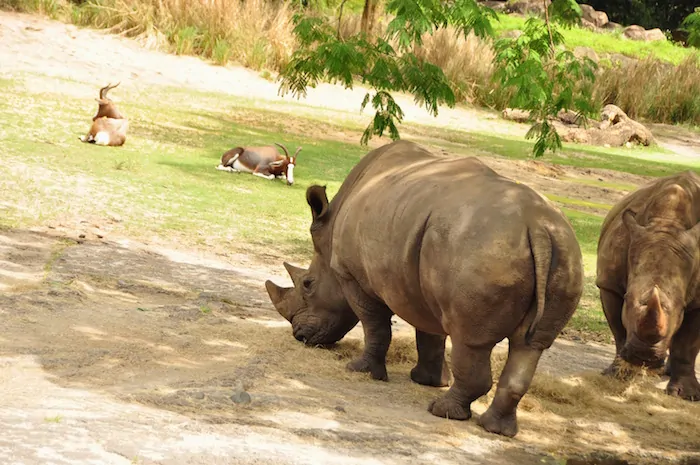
597	18
615	129
528	7
639	33
586	11
580	52
612	26
654	35
587	24
496	5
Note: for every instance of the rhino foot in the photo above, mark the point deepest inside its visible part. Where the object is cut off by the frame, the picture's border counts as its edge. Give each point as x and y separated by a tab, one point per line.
494	423
448	407
362	365
686	388
427	377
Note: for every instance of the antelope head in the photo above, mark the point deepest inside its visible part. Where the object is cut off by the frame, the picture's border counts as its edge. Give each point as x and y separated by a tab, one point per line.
285	165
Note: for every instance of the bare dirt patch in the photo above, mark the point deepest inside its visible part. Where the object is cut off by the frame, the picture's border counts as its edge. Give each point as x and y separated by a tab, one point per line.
153	344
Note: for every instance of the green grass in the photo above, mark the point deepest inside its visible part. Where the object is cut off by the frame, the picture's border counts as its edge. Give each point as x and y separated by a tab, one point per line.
606	43
163	183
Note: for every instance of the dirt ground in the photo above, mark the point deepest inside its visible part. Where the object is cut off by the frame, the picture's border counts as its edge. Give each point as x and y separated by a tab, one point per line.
114	351
117	352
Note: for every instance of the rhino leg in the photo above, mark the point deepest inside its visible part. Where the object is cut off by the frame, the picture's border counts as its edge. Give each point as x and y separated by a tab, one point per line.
376	324
684	351
612	307
513	383
431	369
471	368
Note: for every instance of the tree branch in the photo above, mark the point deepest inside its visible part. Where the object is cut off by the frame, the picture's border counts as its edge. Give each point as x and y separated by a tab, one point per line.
549	28
340	17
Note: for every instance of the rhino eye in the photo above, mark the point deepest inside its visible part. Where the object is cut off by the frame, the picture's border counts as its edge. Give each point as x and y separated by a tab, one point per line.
307	283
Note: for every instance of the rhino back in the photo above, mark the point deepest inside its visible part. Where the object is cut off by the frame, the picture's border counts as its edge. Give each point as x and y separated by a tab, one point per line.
419	234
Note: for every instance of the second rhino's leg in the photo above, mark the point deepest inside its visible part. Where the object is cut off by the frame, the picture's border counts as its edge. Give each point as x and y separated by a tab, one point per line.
681	362
612	308
431	369
513	383
376	324
471	368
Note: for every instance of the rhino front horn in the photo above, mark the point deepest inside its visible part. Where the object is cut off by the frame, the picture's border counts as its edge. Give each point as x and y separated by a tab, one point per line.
294	272
278	296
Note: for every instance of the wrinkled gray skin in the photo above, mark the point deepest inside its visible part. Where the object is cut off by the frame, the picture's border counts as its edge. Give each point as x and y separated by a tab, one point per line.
648	261
452	248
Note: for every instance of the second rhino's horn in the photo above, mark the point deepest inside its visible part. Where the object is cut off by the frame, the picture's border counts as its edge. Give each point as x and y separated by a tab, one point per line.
295	273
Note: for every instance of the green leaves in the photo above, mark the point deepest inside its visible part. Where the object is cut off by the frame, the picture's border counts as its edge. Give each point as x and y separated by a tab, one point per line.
546	81
323	56
565	12
388	113
691	25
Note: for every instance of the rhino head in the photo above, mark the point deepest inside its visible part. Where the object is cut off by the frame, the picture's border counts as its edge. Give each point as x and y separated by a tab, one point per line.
315	305
662	262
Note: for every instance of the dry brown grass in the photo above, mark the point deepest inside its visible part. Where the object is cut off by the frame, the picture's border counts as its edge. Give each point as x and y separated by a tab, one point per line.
255	33
466	61
654	90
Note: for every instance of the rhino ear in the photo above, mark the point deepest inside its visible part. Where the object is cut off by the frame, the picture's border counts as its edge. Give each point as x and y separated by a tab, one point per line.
318	201
629	219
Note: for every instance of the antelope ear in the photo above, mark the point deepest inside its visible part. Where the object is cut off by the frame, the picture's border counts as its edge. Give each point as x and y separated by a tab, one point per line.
277	163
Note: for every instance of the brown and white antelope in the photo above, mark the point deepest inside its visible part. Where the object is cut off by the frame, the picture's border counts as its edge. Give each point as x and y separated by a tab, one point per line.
265	161
109	126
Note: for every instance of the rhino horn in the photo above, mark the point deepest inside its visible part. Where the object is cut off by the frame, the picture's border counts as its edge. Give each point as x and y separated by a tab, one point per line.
279	297
295	273
653	323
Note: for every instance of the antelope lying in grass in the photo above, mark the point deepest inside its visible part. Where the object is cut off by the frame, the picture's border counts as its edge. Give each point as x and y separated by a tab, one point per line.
265	162
109	126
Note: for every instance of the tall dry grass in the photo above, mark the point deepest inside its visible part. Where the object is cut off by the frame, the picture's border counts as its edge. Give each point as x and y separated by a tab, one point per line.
652	90
255	33
466	61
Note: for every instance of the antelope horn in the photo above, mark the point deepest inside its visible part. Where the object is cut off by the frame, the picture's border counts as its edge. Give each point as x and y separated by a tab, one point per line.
107	88
297	152
286	152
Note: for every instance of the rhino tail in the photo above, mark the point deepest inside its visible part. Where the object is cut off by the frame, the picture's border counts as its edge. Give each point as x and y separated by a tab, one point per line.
541	246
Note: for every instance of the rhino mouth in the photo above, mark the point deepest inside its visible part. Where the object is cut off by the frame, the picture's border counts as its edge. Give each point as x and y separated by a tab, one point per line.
311	336
652	357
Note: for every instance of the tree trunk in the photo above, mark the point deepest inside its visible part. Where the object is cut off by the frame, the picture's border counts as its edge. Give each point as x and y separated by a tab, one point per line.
369	18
